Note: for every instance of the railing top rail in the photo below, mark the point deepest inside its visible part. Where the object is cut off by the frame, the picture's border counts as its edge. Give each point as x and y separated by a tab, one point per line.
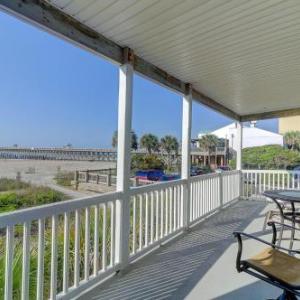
156	186
271	171
230	172
204	176
48	210
213	175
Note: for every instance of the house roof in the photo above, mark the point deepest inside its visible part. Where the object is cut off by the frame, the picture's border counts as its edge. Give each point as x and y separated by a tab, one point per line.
241	57
252	136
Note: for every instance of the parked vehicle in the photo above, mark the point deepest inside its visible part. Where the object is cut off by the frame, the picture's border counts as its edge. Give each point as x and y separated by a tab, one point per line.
155	175
221	169
297	170
195	171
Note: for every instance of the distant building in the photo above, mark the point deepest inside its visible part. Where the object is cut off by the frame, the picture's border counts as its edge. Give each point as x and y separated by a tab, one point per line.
252	136
289	124
218	156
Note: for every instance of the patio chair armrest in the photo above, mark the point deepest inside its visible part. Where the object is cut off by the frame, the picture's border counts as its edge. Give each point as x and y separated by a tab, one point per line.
238	235
282	224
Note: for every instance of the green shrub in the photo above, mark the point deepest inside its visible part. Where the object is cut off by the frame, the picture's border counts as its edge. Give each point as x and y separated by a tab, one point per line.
32	196
7	184
269	157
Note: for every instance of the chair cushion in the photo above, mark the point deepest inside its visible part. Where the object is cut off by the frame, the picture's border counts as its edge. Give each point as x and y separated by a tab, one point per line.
278	264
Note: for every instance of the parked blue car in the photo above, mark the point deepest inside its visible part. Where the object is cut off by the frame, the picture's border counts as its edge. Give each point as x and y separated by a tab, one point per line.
155	175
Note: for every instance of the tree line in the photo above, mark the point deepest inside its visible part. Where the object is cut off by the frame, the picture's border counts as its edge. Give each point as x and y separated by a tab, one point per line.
168	145
292	140
153	145
150	143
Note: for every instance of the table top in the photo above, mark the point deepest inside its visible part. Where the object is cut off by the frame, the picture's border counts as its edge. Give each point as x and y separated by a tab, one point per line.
286	195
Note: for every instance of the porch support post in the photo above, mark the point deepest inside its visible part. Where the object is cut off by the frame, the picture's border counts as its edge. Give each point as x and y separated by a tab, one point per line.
123	162
239	154
186	152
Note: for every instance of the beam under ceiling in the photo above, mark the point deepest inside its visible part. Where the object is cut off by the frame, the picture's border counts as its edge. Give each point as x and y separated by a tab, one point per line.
271	114
51	19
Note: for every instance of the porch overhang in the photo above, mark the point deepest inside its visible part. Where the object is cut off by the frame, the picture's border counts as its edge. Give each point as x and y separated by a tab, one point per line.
241	58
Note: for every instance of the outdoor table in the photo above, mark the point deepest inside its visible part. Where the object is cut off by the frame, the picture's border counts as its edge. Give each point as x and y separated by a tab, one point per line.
288	196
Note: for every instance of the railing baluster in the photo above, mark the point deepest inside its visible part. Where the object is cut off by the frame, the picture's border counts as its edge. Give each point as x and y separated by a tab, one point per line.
87	244
175	208
152	218
77	248
140	222
167	212
40	259
66	254
170	209
96	240
161	213
26	261
247	184
157	215
146	219
134	225
198	197
112	234
182	205
53	275
9	256
195	200
178	206
104	261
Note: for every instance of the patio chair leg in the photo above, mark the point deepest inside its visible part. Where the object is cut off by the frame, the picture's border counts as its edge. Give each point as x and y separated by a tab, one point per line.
287	296
292	235
281	232
267	218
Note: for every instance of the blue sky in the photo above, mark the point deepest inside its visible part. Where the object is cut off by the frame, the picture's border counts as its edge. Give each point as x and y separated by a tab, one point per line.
53	93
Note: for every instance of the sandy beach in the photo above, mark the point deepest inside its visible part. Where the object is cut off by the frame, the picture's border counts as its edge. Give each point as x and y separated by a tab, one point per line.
45	170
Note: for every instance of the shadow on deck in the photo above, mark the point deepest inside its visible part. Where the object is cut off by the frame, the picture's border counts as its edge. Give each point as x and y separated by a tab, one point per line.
192	267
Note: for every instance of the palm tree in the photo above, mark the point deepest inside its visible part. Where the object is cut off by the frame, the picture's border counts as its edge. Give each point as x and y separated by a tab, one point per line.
149	142
169	144
292	139
208	142
134	140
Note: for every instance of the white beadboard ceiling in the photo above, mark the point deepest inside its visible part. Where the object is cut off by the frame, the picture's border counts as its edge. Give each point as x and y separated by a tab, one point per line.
243	54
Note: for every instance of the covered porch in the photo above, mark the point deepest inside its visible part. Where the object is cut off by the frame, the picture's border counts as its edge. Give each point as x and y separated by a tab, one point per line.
174	239
198	265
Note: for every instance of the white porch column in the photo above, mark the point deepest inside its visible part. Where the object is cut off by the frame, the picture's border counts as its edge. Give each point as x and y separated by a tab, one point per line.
123	163
239	154
186	153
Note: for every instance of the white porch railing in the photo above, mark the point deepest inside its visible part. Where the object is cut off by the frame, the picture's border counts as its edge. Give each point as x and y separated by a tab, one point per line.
212	192
255	182
61	249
